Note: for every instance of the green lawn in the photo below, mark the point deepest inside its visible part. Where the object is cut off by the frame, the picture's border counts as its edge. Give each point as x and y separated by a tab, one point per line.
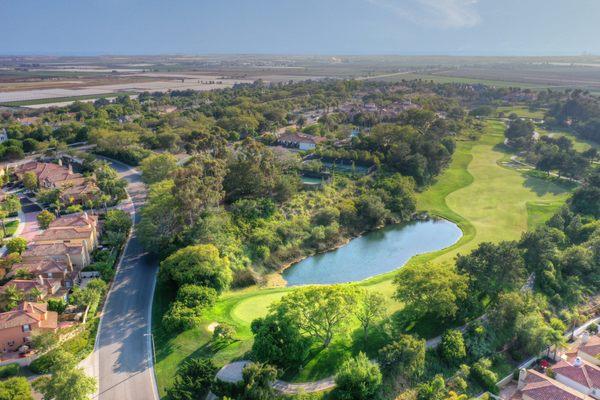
11	227
578	143
522	111
488	201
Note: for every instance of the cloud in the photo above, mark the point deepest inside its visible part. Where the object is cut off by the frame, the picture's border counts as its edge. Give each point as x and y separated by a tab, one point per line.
435	13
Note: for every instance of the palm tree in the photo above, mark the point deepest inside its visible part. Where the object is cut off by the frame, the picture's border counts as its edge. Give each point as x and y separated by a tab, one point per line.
35	294
557	340
11	297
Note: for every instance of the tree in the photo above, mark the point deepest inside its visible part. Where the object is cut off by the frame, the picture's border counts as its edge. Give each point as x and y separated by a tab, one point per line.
371	308
223	332
193	379
43	341
30	181
198	265
45	218
11	204
66	384
15	388
453	347
406	355
357	379
157	167
493	268
117	221
16	245
319	311
430	290
198	187
278	341
257	379
160	224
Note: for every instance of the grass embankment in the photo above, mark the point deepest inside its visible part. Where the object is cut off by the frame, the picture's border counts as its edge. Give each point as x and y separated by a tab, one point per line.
488	201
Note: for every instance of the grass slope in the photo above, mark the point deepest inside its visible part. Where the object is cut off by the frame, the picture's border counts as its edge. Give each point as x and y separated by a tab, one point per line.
488	201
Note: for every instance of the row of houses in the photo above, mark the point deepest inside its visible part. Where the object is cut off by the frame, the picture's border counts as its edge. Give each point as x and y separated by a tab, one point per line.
53	262
576	376
74	187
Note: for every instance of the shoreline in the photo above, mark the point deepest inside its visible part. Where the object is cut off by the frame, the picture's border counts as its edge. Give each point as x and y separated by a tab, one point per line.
276	279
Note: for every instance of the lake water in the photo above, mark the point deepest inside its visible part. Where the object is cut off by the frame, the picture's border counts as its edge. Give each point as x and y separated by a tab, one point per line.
374	253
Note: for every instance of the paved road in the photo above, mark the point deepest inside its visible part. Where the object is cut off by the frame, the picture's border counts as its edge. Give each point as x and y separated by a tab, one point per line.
122	360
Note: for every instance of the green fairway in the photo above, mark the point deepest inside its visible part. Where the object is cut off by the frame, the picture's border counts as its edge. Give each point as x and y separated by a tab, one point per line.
522	111
488	201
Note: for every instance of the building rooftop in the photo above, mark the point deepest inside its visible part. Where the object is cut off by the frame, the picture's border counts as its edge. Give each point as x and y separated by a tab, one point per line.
592	347
29	313
540	387
580	371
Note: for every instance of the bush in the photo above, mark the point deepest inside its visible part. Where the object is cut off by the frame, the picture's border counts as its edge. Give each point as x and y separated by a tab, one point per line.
592	328
9	370
16	245
180	318
57	305
358	379
452	347
45	218
74	208
481	373
16	388
194	296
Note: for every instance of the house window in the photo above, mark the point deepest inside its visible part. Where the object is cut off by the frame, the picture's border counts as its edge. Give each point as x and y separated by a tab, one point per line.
26	328
11	342
49	274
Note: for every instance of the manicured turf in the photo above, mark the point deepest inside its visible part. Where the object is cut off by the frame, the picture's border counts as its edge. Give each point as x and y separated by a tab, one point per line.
488	201
522	111
11	227
578	143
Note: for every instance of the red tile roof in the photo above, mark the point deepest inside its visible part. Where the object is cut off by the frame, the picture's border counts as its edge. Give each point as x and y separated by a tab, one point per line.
592	347
579	371
29	313
540	387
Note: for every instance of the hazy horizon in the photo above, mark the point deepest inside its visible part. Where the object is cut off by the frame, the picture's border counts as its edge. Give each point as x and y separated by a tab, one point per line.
310	27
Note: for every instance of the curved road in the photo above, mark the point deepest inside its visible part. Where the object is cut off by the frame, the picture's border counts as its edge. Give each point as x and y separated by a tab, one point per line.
122	358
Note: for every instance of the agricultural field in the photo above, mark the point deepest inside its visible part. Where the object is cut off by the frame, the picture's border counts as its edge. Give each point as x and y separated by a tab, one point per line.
488	201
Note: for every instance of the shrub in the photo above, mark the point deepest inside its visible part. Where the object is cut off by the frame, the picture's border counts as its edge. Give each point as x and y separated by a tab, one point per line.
57	305
452	347
74	208
117	221
194	296
179	318
15	388
481	373
592	328
16	245
9	370
357	379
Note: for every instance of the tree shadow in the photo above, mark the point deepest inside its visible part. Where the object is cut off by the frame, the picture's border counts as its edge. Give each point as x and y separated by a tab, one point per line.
542	187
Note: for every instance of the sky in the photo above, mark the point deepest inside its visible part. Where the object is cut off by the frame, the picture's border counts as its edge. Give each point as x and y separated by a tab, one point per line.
342	27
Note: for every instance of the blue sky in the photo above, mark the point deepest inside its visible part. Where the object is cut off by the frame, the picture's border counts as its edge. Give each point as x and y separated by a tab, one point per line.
453	27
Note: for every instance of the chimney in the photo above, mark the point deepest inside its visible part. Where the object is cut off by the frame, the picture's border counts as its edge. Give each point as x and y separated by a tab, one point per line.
577	362
70	169
522	377
60	162
40	280
585	337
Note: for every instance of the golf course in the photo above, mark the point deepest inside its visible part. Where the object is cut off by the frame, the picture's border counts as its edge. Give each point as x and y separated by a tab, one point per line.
488	200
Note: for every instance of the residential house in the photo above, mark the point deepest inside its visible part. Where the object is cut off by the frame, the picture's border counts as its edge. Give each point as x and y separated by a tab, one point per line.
537	386
76	251
75	188
58	267
578	374
589	350
18	326
300	140
46	287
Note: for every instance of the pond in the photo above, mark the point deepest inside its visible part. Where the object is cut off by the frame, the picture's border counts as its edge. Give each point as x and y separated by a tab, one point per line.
374	253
